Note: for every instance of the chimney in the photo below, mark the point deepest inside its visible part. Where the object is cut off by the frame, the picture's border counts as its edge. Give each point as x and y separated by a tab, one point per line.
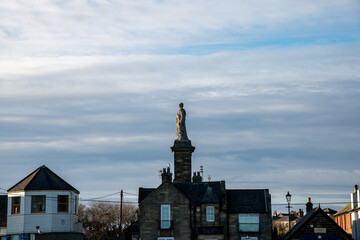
166	175
301	213
309	205
275	213
355	197
196	177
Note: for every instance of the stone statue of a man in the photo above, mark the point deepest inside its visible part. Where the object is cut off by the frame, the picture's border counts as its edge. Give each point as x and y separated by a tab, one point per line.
180	124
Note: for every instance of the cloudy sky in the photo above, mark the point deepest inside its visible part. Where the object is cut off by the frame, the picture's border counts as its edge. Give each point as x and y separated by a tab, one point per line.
271	89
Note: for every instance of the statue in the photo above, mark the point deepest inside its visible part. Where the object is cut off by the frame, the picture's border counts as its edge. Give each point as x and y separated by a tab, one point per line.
180	124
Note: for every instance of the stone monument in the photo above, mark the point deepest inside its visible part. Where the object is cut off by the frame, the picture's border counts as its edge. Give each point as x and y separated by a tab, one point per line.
182	149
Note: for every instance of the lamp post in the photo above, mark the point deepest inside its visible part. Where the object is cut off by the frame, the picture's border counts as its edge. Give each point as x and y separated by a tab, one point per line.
288	199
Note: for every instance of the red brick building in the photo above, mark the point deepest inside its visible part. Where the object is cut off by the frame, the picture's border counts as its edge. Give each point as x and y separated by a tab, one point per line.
343	218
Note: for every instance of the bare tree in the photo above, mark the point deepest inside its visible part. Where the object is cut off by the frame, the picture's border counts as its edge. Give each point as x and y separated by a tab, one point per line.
101	220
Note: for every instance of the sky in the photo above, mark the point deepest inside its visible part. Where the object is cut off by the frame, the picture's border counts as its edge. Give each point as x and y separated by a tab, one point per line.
271	89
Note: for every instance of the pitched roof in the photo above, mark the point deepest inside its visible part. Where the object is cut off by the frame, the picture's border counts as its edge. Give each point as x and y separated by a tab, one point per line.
247	201
196	191
210	196
312	213
144	192
42	179
285	217
345	209
329	211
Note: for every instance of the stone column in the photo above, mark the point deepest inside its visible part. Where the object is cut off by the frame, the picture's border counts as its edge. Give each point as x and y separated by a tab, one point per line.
182	150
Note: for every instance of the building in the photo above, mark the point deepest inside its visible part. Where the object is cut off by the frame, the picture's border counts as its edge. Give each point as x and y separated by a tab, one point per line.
355	213
330	212
280	222
3	215
43	206
343	218
187	208
317	225
348	217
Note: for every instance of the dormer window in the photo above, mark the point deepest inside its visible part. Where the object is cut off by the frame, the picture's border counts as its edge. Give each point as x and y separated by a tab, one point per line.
38	204
15	205
210	213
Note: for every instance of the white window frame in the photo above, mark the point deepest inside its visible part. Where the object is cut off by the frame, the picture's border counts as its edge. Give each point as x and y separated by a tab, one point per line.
165	216
210	213
249	222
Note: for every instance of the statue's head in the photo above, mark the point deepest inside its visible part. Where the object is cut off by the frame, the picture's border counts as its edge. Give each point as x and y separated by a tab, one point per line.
181	105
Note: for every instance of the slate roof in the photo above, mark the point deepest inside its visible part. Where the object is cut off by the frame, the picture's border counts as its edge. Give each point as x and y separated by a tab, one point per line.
329	211
238	201
42	179
312	213
210	196
195	191
144	192
247	201
345	209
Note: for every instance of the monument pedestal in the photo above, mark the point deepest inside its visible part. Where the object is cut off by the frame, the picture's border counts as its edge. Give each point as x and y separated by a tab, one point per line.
182	150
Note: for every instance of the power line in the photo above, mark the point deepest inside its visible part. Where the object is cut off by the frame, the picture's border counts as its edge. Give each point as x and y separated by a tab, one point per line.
112	194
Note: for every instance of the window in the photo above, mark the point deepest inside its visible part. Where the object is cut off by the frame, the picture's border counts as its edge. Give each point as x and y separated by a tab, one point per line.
248	222
15	205
76	204
38	204
210	214
63	204
165	217
249	238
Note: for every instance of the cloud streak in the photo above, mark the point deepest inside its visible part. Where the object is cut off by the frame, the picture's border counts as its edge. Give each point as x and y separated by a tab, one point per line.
271	89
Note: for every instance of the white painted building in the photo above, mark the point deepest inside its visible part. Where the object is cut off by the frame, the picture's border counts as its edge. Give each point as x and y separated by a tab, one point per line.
355	213
43	206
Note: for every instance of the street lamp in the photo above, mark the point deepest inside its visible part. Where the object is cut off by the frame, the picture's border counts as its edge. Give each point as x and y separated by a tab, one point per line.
288	199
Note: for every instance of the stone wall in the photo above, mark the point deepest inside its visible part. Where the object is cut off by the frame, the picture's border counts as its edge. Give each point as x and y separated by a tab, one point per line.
264	228
150	214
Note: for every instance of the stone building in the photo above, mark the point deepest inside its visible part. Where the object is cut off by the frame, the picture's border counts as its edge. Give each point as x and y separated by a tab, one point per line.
187	208
317	225
280	222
